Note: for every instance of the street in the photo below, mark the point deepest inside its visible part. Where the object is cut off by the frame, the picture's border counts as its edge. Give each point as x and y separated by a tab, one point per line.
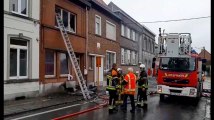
173	108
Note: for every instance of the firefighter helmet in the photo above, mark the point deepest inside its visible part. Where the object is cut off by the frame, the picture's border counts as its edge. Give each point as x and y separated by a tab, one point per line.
142	66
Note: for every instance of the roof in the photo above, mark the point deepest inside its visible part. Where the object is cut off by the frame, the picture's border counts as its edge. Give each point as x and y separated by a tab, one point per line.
81	2
104	6
205	54
125	14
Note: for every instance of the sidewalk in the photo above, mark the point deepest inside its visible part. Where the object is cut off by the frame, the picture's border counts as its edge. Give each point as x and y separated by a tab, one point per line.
19	106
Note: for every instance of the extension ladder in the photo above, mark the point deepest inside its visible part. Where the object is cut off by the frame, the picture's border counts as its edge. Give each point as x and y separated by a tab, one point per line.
73	58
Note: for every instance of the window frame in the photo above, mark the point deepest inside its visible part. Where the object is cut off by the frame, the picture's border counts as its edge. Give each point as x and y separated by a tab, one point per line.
19	8
114	27
122	30
92	60
122	56
54	75
18	48
69	16
111	52
100	20
128	29
63	75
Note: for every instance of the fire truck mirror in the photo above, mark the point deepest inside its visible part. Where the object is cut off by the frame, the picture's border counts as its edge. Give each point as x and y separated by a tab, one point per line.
204	60
203	67
153	64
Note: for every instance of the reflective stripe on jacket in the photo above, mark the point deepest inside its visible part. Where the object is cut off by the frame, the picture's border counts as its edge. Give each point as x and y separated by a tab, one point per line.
129	88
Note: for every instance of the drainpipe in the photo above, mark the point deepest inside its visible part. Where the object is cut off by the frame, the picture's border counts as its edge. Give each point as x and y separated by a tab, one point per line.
86	44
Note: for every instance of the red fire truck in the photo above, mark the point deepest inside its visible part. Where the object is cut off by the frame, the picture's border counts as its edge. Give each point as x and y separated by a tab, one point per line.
180	70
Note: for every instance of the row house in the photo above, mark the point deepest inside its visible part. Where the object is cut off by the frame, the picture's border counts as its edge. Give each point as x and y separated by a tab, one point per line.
134	50
21	48
54	62
103	41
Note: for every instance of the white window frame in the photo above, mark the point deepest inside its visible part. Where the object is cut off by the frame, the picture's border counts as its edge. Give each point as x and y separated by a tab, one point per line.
19	9
128	32
18	48
64	75
128	56
115	30
122	30
54	75
122	56
100	25
69	15
115	54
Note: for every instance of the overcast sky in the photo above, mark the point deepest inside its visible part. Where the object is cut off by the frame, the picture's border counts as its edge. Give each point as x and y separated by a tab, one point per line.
160	10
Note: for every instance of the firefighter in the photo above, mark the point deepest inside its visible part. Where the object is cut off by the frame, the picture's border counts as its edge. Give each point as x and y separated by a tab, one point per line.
112	82
120	87
129	89
142	87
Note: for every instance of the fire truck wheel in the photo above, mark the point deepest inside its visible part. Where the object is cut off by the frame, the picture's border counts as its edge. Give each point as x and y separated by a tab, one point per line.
161	97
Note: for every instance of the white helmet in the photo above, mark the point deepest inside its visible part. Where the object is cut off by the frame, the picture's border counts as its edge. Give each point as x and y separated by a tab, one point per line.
119	69
142	66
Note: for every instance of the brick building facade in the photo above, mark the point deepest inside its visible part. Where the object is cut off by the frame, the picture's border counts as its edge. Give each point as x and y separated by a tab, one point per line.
103	41
54	60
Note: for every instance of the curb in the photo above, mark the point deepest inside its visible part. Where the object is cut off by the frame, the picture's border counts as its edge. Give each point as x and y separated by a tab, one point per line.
34	109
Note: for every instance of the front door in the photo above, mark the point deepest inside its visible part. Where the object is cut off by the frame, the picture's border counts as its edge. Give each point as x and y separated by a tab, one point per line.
98	70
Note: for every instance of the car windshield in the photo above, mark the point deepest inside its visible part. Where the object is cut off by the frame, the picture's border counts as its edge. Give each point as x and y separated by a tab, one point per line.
177	64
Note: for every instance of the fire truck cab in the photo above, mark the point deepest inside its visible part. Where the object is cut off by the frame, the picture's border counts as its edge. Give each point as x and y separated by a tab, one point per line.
180	69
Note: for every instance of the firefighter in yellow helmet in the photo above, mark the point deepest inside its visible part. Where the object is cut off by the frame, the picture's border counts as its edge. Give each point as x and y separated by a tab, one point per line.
112	84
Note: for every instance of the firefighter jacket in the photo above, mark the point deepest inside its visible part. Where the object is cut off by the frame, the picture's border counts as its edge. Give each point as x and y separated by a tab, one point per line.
112	80
130	79
143	81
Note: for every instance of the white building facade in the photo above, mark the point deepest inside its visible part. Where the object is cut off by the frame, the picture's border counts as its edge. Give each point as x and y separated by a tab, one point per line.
21	48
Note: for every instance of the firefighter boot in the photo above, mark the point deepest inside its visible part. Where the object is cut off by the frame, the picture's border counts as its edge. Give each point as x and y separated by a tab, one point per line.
138	104
110	109
145	105
142	104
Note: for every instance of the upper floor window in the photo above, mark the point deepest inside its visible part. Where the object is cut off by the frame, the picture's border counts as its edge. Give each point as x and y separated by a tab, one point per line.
97	25
133	35
110	30
68	18
19	7
122	30
128	35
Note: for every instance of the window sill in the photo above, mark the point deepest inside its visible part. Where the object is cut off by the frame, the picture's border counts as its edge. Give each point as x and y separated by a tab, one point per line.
11	81
50	76
128	38
64	75
68	31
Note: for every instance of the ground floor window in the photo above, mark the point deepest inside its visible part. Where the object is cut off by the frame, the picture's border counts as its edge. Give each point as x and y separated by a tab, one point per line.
50	63
63	64
18	59
91	62
110	59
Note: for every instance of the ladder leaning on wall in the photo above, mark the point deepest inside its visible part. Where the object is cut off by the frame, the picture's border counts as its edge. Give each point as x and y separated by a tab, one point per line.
73	58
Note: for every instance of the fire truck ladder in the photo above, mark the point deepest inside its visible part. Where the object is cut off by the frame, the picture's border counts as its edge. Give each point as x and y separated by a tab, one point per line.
73	58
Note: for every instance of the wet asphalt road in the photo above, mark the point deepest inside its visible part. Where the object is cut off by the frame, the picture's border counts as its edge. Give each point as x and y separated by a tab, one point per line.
173	108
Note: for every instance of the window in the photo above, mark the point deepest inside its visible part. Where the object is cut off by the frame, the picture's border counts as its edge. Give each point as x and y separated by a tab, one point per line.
69	19
63	64
128	33
122	56
18	59
145	43
19	6
122	30
91	64
110	59
128	56
97	25
133	35
110	30
133	58
178	64
49	63
125	57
